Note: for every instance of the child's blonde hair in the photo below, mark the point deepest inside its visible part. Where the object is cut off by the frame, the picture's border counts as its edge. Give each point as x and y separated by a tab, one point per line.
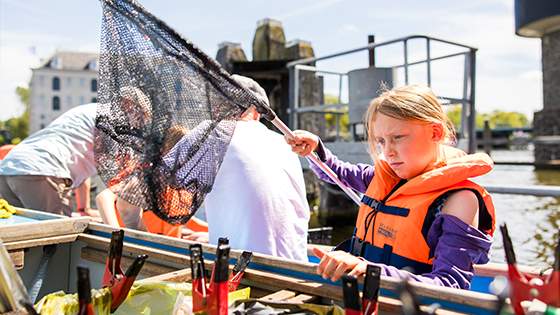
414	103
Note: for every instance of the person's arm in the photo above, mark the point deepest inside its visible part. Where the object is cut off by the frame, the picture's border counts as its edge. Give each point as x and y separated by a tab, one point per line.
455	246
105	202
82	193
357	177
200	237
131	215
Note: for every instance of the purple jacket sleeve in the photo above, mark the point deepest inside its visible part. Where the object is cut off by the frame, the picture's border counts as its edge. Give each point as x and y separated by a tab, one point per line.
455	246
357	177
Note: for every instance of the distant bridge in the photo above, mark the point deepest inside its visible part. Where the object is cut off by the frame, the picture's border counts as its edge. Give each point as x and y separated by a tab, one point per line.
506	136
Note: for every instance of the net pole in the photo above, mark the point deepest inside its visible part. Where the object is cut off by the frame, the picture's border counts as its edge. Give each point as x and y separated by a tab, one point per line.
315	159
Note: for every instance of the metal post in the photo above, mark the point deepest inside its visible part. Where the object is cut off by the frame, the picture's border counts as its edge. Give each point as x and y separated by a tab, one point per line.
428	62
293	72
472	113
406	62
371	39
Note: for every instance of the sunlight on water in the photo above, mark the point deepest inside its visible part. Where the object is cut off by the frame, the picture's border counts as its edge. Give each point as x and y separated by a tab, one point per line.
532	221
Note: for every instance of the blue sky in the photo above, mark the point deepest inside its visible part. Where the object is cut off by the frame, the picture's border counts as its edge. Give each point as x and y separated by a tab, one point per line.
508	66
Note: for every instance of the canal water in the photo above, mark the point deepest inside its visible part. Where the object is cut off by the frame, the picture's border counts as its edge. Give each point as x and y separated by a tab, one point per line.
532	221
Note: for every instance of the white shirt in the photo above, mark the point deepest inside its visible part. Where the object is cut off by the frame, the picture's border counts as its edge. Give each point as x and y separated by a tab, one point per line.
63	149
258	199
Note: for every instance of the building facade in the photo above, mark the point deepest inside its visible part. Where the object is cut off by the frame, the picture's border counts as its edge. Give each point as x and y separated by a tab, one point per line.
63	81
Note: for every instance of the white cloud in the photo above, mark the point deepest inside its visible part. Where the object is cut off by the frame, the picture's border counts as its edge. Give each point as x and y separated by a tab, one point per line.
16	71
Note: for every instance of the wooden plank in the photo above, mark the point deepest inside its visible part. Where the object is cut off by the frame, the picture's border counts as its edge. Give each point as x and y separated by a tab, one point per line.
183	275
139	249
149	269
330	291
282	295
48	228
304	298
389	305
41	242
493	270
17	256
40	215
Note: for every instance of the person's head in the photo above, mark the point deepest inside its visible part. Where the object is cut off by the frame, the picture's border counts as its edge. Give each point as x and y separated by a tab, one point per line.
407	125
136	105
173	135
253	87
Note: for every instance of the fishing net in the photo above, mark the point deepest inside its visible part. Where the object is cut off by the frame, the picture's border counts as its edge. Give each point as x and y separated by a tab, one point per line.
166	113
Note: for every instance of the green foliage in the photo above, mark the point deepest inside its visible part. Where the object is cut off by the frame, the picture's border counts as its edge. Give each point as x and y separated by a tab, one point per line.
23	96
19	127
496	119
500	118
330	119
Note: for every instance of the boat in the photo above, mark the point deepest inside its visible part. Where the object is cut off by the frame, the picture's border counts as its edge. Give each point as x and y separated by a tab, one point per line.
81	241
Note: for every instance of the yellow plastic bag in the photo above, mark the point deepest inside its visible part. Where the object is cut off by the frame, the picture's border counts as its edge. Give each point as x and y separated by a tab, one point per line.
62	303
6	210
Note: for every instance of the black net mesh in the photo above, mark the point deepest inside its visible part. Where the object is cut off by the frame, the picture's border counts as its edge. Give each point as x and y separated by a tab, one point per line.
166	113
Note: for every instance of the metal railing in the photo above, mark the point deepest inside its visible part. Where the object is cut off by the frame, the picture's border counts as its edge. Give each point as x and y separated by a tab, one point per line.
467	129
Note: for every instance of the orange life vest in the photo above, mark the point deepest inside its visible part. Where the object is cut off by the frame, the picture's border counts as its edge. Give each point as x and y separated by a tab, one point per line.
395	215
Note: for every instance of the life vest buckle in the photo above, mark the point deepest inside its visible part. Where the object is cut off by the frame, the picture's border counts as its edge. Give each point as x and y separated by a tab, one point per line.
357	247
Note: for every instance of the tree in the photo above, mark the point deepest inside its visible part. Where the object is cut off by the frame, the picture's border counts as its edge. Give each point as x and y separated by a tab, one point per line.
23	96
19	127
331	119
496	119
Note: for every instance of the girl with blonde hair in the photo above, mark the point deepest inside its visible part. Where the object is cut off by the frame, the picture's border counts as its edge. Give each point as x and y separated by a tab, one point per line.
420	216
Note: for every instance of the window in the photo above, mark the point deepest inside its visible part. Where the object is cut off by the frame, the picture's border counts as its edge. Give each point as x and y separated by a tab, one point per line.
56	62
94	85
56	84
69	82
42	116
94	100
41	81
56	103
42	100
42	126
69	100
82	100
92	65
82	82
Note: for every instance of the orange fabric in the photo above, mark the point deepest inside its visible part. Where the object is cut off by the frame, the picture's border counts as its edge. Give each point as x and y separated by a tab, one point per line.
196	226
121	224
170	198
5	149
404	234
158	226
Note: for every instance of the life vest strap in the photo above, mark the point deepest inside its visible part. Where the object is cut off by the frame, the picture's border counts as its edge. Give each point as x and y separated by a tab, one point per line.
383	208
382	255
